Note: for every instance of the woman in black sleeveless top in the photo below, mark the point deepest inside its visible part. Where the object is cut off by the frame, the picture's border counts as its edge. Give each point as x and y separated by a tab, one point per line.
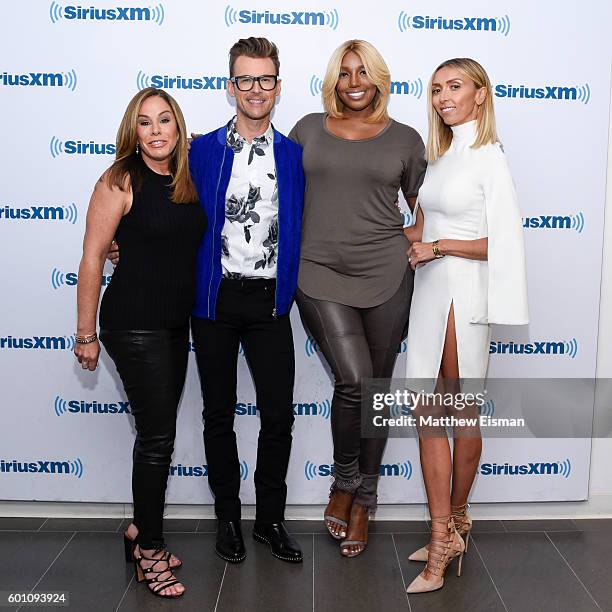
147	201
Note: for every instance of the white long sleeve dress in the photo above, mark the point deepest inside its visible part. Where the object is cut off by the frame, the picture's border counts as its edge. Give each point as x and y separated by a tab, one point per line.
468	193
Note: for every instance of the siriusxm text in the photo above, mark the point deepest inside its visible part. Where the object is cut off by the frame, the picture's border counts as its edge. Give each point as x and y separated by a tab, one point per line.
529	348
40	213
82	407
474	24
548	92
526	469
33	79
160	81
293	18
39	467
35	342
118	13
548	222
77	147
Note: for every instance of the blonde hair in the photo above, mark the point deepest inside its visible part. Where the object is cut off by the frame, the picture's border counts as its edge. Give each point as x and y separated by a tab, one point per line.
129	163
440	134
378	74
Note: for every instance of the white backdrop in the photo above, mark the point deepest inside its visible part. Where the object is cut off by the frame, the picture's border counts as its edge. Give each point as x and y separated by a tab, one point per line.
67	75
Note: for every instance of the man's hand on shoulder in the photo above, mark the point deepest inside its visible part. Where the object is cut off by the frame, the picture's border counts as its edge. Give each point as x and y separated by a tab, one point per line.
113	253
193	137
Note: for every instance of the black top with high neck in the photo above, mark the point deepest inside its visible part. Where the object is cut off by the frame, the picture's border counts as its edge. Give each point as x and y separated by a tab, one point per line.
153	286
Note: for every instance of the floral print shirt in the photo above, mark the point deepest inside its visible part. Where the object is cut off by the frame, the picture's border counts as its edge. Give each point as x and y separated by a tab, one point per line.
250	232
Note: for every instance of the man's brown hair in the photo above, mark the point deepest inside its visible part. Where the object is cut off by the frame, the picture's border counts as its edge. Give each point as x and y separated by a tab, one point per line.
254	47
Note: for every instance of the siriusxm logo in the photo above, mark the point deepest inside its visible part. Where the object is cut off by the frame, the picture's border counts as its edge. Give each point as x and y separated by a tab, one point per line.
164	81
42	466
409	88
43	343
544	347
322	409
201	471
40	79
552	468
402	469
500	25
70	279
310	346
581	93
40	213
70	12
77	147
575	222
62	406
329	19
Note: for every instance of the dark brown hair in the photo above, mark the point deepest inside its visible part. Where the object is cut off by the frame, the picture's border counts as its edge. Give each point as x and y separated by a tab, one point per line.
129	163
254	47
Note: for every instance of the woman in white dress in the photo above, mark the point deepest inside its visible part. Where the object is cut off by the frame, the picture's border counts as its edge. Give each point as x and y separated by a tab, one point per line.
468	253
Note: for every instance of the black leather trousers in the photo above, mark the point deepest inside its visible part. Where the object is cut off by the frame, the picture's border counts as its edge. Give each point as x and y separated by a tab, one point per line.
357	343
152	366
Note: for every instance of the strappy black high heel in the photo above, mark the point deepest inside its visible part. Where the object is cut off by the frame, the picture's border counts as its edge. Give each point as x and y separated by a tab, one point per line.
129	545
152	574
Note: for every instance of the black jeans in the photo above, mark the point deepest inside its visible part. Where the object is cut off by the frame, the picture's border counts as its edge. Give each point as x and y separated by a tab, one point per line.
357	343
152	366
244	315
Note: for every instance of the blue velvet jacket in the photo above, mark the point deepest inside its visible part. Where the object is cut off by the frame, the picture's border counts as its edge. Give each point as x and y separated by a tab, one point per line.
210	161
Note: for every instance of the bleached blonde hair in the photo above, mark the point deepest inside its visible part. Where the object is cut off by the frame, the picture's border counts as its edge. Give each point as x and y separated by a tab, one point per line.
378	74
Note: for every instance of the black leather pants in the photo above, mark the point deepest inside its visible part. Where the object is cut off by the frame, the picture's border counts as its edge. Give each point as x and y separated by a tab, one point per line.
152	366
357	343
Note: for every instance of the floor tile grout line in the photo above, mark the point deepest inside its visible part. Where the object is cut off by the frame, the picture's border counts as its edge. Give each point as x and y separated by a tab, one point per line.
401	572
51	564
573	572
41	525
127	588
313	572
489	574
220	587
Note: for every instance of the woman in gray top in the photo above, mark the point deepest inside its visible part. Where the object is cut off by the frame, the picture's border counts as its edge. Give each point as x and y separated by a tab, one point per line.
355	284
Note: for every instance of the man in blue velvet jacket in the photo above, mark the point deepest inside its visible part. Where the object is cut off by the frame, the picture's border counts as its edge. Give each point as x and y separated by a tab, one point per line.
251	184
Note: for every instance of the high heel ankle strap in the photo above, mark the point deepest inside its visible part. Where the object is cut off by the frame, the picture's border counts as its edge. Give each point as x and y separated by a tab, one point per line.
442	549
447	521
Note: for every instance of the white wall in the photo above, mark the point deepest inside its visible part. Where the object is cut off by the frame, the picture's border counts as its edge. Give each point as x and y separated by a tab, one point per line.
599	503
600	494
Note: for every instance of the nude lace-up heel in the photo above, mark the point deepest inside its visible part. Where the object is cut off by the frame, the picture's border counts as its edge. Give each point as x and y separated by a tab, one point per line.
445	545
463	524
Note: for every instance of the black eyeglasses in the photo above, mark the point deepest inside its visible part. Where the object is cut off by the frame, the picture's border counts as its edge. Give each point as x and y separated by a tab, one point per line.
245	83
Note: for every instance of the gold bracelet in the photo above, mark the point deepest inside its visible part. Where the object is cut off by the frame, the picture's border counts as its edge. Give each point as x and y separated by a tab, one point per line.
88	339
436	250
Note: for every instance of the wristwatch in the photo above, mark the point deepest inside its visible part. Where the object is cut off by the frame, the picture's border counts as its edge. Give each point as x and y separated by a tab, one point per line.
436	250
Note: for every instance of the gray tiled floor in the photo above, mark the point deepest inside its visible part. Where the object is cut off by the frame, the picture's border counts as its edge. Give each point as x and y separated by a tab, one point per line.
561	565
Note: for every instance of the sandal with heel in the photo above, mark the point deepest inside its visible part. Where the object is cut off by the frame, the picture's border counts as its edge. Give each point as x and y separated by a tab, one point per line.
334	491
129	546
346	544
154	575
